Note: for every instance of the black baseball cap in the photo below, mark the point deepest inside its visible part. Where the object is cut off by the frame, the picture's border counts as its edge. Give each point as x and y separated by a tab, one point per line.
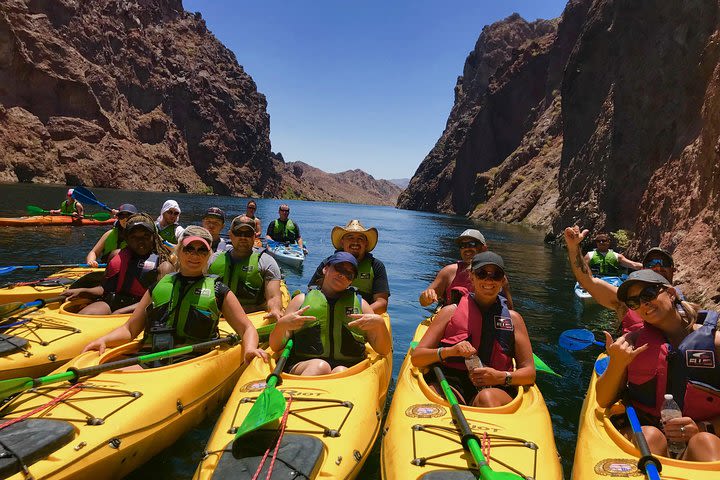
658	252
487	258
215	212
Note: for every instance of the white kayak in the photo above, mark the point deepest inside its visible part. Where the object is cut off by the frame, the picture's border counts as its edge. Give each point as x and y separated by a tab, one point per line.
585	296
289	254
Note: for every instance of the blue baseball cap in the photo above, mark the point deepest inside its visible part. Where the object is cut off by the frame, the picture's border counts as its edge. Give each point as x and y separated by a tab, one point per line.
342	257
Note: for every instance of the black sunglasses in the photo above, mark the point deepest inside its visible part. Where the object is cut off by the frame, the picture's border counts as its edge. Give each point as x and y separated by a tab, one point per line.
602	241
497	275
283	210
202	251
244	233
470	244
648	294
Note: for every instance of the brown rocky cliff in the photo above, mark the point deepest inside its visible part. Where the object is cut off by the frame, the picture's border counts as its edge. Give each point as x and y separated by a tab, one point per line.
127	94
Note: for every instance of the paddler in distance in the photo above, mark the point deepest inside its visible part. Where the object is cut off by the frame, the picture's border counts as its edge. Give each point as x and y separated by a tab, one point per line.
70	206
605	261
284	230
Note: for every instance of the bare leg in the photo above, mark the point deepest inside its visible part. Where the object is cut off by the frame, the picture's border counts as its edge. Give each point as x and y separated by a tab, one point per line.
654	436
339	369
96	308
703	447
315	366
491	397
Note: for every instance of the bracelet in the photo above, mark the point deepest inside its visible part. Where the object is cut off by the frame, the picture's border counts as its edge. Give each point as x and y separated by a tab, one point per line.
439	352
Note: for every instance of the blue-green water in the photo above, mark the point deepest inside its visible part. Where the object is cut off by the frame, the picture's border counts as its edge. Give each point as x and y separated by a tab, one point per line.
413	246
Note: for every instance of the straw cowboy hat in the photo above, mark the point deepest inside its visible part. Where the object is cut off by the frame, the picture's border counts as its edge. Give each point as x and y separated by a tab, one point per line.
354	226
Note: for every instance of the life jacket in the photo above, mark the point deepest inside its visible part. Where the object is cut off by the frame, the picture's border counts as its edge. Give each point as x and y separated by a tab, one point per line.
329	337
168	233
365	277
284	232
67	207
467	324
113	242
461	279
135	274
605	264
632	321
691	372
243	277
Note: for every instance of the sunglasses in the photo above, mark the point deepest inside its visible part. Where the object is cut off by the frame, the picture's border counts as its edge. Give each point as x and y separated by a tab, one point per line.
648	294
497	275
202	251
288	211
348	273
173	212
657	262
470	244
244	233
250	207
601	241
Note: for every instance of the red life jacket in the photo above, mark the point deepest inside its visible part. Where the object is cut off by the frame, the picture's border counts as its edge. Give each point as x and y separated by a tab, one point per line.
461	279
693	370
631	322
135	274
467	324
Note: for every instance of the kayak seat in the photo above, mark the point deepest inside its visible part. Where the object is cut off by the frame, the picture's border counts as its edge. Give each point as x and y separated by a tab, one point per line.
10	344
448	475
31	440
299	456
55	282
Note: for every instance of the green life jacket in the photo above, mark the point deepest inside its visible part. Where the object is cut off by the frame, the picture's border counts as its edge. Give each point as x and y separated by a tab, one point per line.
329	337
244	279
364	279
111	242
168	233
606	264
66	207
284	233
190	315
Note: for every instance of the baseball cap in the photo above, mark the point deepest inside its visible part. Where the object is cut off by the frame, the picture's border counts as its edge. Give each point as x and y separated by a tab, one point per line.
70	192
342	257
471	233
240	222
487	258
215	212
127	208
139	221
657	251
195	238
640	276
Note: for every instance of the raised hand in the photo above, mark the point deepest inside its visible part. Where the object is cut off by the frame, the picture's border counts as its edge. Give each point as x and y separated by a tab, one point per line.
622	351
366	321
574	236
296	320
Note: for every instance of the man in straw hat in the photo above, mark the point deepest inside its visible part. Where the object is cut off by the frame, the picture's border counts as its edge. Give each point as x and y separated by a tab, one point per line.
471	242
371	280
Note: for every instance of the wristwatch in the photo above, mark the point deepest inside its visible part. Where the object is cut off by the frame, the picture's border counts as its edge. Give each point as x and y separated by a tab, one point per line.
508	379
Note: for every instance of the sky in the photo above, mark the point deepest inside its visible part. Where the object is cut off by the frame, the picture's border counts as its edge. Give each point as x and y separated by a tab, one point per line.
358	84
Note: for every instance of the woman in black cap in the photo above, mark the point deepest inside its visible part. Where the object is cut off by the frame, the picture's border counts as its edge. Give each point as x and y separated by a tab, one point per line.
480	325
678	354
113	239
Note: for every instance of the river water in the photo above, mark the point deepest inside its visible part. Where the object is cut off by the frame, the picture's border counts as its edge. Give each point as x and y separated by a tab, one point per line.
413	246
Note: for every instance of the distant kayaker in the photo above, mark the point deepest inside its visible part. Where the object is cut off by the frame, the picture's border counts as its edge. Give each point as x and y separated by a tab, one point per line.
678	352
213	221
70	206
113	239
480	324
329	339
250	211
656	259
605	261
371	281
167	223
471	242
185	307
254	277
283	229
141	263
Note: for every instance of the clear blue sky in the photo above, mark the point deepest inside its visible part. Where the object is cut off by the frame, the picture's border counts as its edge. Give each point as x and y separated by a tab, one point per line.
357	84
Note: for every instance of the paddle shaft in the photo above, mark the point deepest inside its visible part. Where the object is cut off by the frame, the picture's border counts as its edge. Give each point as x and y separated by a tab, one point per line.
650	465
33	210
274	378
82	193
13	308
35	268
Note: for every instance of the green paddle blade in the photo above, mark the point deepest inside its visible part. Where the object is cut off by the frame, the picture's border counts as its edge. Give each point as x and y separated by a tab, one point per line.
8	309
33	210
267	409
14	385
100	216
541	366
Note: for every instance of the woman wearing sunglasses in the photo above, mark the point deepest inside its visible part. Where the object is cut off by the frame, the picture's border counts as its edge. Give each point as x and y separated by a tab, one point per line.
113	239
677	351
185	307
480	324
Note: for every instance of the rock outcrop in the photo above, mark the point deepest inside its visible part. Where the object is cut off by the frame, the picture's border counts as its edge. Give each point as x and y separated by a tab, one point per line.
624	135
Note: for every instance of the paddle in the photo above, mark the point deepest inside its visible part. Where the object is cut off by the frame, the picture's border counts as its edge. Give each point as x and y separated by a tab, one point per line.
86	196
35	268
269	406
578	339
16	385
469	440
647	462
101	216
8	309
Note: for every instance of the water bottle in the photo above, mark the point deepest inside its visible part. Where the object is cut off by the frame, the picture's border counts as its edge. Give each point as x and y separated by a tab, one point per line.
472	362
670	410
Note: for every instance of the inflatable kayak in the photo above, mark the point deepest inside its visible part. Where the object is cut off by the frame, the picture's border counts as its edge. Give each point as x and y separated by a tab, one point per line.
602	452
52	220
50	286
110	424
585	297
291	254
420	440
38	342
332	424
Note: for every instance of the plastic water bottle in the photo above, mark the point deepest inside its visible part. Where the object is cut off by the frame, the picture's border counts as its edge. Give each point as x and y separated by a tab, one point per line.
472	362
670	410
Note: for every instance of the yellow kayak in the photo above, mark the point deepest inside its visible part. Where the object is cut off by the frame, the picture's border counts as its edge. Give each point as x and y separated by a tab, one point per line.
602	452
332	424
48	287
420	440
117	420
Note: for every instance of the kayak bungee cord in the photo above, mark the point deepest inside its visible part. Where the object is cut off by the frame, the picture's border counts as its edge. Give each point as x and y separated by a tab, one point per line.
283	424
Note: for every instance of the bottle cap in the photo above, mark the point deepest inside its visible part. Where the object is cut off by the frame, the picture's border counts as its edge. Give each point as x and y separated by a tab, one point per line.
668	396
